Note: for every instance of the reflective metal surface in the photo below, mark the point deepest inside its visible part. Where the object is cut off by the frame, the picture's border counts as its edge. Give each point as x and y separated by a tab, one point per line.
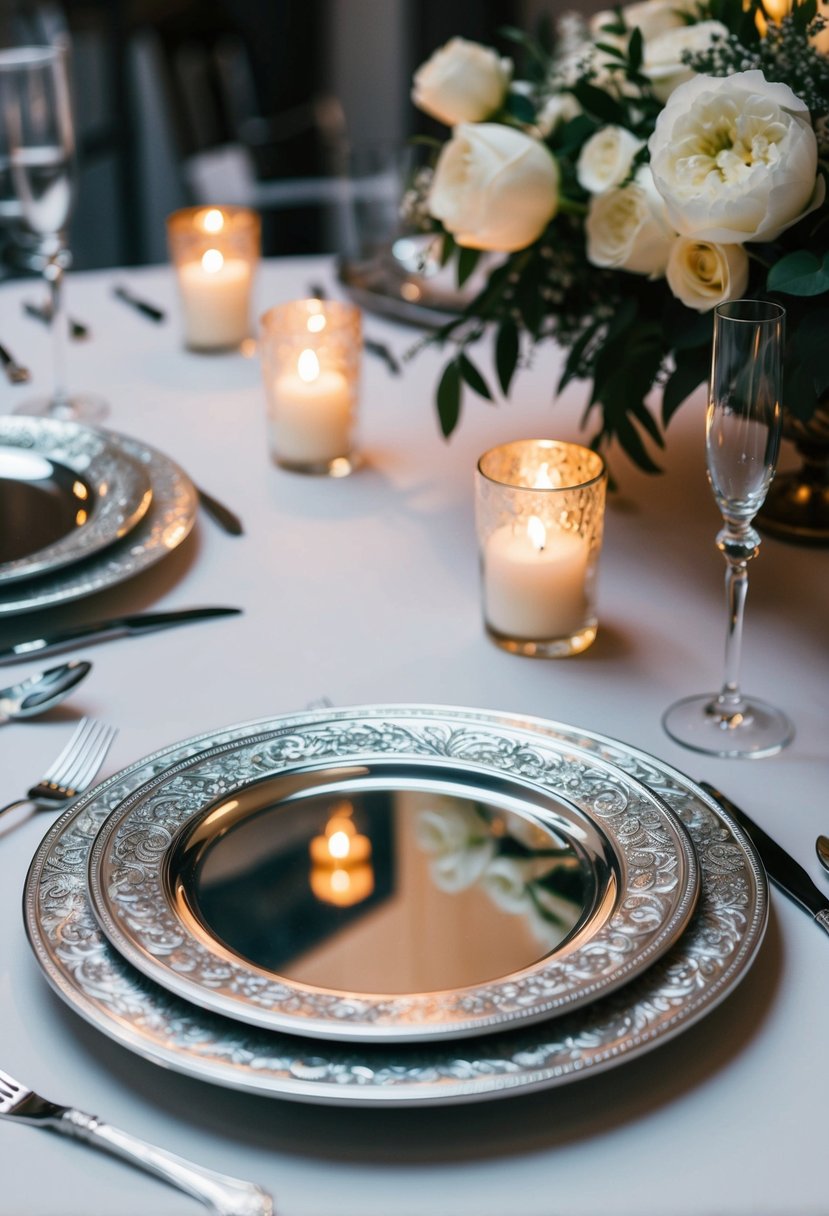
66	493
39	693
170	516
466	818
706	963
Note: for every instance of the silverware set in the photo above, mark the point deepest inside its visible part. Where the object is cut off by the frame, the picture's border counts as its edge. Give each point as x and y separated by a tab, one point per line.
74	770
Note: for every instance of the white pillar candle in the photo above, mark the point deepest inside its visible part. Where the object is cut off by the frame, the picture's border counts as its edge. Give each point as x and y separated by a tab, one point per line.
310	413
534	581
215	296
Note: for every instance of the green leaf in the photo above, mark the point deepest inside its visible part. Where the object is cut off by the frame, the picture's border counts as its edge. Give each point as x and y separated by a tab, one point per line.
635	50
631	441
449	398
467	261
520	107
473	377
596	101
690	371
609	49
506	354
800	274
448	248
571	367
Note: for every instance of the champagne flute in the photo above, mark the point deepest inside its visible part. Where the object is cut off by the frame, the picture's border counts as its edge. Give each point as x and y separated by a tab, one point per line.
39	140
742	442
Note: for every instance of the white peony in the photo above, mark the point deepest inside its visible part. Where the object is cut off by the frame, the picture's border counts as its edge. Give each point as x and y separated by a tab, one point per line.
652	17
606	159
627	228
663	54
735	158
494	187
702	274
558	109
462	82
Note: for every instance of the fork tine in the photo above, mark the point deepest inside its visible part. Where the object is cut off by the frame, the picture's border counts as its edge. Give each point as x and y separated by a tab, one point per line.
9	1088
82	732
95	759
71	773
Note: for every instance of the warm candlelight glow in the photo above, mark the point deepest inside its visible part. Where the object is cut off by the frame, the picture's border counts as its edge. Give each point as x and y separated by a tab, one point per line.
212	261
341	872
536	532
316	322
340	887
308	366
543	480
339	845
214	221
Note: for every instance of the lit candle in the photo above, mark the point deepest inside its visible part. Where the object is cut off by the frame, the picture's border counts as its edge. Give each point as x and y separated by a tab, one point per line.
341	846
215	296
534	580
310	418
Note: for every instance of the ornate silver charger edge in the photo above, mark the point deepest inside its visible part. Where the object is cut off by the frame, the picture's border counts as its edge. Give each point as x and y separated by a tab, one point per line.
120	487
701	969
168	522
658	877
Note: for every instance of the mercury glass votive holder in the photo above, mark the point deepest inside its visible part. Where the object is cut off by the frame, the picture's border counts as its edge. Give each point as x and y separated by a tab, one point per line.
215	251
311	358
539	506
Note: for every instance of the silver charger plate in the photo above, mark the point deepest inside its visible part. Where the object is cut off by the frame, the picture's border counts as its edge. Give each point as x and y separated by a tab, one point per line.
106	492
704	966
516	878
168	522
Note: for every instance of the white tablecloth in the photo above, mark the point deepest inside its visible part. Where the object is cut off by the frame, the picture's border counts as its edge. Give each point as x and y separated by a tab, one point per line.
365	590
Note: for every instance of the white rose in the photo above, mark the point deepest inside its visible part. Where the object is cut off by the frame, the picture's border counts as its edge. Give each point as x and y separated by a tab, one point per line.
652	17
494	187
703	274
606	158
627	229
662	62
455	872
462	82
461	840
735	158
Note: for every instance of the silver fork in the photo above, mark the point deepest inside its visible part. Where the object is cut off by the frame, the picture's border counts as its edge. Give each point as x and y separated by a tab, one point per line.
74	769
224	1195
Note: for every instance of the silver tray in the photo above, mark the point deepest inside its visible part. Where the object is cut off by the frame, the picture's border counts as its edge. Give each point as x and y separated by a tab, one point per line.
574	876
711	957
169	520
110	491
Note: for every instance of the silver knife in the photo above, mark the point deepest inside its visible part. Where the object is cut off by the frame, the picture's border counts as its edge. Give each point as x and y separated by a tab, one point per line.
101	631
782	869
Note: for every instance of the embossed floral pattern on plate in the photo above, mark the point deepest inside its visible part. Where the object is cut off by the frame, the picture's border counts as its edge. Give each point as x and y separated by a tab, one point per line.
656	872
709	959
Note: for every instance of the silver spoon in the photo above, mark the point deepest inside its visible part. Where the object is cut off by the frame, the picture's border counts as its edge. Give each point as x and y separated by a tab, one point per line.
40	692
822	850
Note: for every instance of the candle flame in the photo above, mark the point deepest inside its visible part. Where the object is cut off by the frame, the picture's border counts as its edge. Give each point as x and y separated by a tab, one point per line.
213	221
308	366
543	480
212	261
339	845
536	532
316	322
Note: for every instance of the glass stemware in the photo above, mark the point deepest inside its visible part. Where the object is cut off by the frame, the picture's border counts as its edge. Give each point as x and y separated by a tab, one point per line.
38	136
742	442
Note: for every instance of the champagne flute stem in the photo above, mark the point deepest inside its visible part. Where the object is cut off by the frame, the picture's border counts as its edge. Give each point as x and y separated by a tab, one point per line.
738	546
61	406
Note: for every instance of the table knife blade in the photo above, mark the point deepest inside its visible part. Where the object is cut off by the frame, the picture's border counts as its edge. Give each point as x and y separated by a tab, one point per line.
786	873
100	631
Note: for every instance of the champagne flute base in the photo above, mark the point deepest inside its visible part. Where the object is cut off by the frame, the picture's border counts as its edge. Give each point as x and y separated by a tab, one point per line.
80	407
699	723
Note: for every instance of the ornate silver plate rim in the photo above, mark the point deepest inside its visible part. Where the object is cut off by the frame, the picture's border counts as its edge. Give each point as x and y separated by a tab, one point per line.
654	895
120	486
709	960
168	522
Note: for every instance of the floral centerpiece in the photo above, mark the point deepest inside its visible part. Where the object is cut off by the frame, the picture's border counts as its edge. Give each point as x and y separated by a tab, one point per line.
667	157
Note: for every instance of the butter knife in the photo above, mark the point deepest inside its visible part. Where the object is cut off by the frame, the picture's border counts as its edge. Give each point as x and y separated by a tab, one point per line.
101	631
786	873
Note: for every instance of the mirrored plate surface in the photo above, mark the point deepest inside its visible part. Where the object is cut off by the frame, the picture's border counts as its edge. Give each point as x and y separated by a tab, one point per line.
66	492
398	879
701	969
169	519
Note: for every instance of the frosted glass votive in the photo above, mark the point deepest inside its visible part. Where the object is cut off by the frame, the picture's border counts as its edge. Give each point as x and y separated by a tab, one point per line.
215	251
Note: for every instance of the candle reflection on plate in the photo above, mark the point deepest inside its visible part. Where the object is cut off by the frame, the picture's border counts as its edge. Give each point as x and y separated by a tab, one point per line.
341	870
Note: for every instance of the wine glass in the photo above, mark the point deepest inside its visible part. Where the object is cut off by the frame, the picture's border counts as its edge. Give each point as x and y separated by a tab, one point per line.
742	441
38	137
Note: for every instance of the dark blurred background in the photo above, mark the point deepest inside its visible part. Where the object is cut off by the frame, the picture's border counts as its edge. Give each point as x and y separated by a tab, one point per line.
262	102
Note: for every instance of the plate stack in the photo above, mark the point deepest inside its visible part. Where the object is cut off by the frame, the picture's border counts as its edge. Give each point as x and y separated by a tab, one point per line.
395	905
82	510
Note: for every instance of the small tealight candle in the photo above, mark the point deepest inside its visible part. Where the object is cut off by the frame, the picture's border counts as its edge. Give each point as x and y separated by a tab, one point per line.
540	511
310	362
215	251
